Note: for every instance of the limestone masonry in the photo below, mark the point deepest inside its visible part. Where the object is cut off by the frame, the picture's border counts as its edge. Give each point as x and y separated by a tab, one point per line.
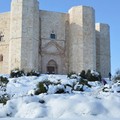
53	42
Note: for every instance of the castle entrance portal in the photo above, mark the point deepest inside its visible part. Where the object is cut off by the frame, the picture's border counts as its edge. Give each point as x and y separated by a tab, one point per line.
52	67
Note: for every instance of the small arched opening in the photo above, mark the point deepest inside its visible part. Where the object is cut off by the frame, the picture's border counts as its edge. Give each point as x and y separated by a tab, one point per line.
52	67
1	57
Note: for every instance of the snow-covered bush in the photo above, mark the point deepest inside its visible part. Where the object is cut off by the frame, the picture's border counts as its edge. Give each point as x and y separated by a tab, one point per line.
33	73
83	78
92	75
60	89
107	88
84	82
83	74
3	81
52	87
114	84
3	84
81	85
41	88
56	89
116	87
117	76
4	98
17	73
71	75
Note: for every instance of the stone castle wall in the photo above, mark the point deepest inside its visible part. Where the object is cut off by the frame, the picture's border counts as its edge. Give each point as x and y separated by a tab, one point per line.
53	49
103	48
78	44
5	26
82	47
4	51
4	43
24	35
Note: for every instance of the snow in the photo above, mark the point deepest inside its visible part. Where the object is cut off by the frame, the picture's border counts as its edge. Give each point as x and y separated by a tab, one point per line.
31	110
92	104
93	72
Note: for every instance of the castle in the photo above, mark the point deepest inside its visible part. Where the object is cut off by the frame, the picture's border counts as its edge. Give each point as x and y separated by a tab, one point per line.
53	42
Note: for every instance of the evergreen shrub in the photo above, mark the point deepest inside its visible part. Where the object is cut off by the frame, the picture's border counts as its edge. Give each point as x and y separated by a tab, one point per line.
33	73
3	81
93	76
17	73
4	98
40	88
60	89
69	75
83	74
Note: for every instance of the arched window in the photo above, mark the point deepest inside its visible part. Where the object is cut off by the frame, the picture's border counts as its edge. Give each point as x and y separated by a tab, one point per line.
53	35
52	67
1	36
1	57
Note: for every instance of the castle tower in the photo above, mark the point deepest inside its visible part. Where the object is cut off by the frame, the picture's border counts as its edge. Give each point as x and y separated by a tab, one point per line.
103	63
82	43
24	35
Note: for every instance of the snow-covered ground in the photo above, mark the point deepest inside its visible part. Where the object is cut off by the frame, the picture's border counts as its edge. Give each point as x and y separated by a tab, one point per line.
92	104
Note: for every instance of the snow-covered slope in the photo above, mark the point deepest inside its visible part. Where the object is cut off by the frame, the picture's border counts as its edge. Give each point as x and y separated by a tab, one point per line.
92	104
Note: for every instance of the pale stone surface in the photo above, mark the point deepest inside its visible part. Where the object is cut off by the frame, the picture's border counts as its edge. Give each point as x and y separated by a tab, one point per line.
82	47
4	43
53	49
24	35
103	48
4	50
27	42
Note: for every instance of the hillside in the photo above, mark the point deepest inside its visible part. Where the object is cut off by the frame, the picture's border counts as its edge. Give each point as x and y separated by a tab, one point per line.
62	99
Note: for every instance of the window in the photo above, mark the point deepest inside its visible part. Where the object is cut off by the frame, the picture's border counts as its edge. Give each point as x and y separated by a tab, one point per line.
52	36
1	58
1	36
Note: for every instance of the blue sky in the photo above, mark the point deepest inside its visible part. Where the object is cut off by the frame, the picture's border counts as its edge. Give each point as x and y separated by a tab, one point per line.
107	11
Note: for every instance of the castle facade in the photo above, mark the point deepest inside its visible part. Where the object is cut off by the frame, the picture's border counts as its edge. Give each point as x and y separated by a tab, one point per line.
53	42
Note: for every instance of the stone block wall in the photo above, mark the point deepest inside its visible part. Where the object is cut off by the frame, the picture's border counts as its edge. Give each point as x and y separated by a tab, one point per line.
15	35
24	35
82	45
53	49
103	49
78	44
4	51
5	26
4	43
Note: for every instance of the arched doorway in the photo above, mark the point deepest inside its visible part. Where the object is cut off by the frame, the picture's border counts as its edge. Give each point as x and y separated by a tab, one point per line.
52	67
